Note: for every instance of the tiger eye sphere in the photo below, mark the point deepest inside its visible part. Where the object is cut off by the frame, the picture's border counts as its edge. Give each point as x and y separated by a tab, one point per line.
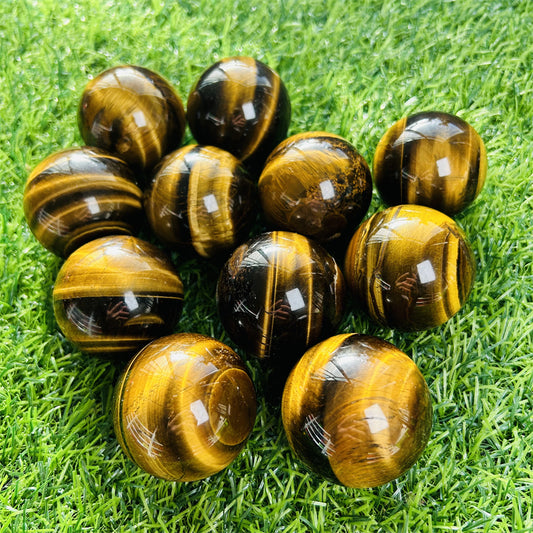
78	195
115	294
240	105
278	294
316	184
410	267
357	411
184	407
201	198
433	159
134	113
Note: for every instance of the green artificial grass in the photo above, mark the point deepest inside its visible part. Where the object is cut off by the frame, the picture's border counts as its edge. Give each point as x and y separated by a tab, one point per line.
351	68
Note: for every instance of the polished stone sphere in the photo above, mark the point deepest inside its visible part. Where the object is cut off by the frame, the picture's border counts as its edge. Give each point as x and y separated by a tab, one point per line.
433	159
200	198
278	294
133	113
316	184
410	267
242	106
78	195
115	294
184	407
357	411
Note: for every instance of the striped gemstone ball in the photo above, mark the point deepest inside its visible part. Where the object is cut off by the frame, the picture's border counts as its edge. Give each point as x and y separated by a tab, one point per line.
240	105
184	407
433	159
357	411
115	294
81	194
278	294
316	184
200	198
410	267
133	113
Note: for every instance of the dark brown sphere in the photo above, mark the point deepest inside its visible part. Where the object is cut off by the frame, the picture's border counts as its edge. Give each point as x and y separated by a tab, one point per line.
410	267
240	105
433	159
278	294
316	184
78	195
357	410
200	198
134	113
113	295
184	407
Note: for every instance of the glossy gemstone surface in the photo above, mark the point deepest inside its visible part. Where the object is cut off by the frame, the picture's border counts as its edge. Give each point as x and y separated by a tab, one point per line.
80	194
357	411
201	198
433	159
113	295
316	184
184	407
278	294
133	113
241	105
410	267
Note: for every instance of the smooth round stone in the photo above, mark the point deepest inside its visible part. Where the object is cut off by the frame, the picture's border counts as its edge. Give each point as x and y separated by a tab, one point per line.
241	105
200	198
278	294
184	407
316	184
78	195
410	267
133	113
357	411
433	159
113	295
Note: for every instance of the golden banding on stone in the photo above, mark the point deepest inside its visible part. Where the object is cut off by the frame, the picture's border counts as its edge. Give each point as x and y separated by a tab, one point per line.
184	407
113	295
357	410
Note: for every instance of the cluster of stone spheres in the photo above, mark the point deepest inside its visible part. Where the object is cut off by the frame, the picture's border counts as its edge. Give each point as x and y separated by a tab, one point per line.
356	409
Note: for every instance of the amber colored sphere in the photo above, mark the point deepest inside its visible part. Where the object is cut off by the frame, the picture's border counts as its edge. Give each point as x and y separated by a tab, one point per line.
278	294
184	407
115	294
357	411
433	159
133	113
410	267
78	195
240	105
316	184
200	198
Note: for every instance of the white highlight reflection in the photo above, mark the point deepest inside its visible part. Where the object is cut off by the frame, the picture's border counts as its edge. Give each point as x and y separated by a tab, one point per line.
211	203
92	205
376	419
248	110
295	299
199	411
327	190
443	167
426	273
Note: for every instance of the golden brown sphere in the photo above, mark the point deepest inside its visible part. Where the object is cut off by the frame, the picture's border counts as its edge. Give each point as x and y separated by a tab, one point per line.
357	410
410	267
433	159
134	113
78	195
316	184
184	407
201	199
115	294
